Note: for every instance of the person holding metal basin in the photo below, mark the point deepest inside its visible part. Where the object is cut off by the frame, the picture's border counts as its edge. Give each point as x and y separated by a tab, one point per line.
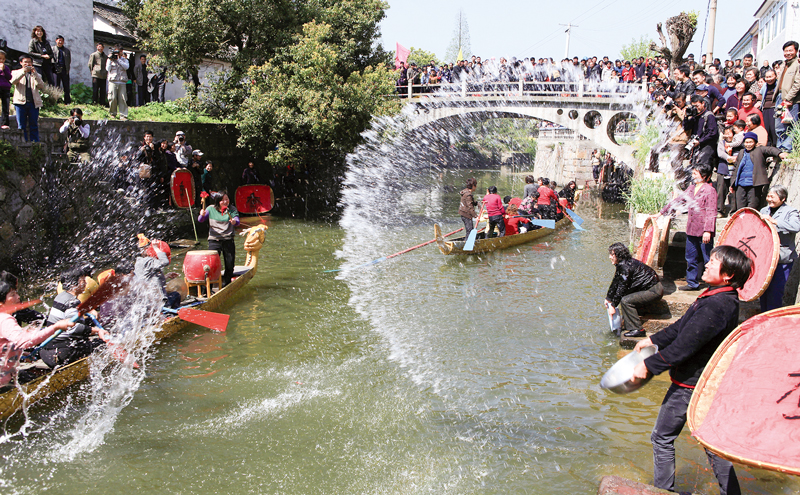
634	286
684	348
786	220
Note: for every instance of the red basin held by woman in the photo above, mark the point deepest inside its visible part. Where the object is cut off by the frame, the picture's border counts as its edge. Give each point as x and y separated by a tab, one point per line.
199	265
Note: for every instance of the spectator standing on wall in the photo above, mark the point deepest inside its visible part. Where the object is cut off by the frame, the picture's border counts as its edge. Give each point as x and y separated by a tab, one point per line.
183	152
97	66
117	67
249	174
196	167
5	89
77	132
61	60
788	95
158	85
142	80
27	100
42	54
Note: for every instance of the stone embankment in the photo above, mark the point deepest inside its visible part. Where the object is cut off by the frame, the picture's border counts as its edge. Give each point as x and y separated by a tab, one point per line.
47	203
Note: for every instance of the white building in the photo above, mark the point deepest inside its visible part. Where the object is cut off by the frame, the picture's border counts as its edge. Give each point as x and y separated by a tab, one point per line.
777	21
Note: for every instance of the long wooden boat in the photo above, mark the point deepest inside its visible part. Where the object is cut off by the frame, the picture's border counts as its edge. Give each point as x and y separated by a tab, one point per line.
12	401
456	246
745	405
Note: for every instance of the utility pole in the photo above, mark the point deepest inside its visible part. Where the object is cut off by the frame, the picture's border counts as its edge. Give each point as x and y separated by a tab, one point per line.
568	30
712	20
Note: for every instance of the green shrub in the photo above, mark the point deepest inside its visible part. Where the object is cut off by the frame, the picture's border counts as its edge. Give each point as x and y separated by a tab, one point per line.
648	195
81	94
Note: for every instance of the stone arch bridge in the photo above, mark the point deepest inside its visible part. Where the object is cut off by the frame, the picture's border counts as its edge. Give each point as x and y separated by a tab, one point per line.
592	114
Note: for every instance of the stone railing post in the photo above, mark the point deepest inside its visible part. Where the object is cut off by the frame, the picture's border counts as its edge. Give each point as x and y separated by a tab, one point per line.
580	88
464	87
410	89
521	86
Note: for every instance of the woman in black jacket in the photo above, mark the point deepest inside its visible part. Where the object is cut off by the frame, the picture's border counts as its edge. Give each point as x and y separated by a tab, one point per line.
42	54
634	285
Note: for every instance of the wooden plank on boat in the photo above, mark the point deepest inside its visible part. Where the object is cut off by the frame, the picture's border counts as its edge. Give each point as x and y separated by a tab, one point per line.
747	230
456	246
648	243
11	401
745	406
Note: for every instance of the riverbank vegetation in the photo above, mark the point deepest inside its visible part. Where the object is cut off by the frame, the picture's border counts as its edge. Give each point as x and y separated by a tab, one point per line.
305	78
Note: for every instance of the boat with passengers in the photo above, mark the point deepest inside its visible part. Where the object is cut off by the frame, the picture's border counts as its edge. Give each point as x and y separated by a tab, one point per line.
456	246
12	401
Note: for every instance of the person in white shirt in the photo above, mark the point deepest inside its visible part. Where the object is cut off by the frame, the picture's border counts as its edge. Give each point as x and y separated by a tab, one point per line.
77	132
117	67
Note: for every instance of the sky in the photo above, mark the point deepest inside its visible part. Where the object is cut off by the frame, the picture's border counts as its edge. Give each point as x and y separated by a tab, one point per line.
531	28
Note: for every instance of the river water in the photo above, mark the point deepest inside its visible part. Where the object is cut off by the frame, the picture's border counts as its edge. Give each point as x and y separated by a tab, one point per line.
419	374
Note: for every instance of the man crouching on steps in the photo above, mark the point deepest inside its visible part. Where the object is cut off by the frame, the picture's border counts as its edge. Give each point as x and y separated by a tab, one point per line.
684	348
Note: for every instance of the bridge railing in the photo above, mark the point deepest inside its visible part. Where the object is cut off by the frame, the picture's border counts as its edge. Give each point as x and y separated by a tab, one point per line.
561	89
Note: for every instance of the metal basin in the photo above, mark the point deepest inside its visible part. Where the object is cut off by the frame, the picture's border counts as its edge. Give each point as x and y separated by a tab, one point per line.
619	379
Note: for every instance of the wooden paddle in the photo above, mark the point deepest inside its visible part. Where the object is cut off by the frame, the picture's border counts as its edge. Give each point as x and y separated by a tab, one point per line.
191	215
549	224
13	308
473	234
214	321
574	216
397	253
112	287
574	223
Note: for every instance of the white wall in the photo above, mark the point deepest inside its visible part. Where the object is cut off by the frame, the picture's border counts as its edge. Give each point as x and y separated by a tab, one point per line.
69	18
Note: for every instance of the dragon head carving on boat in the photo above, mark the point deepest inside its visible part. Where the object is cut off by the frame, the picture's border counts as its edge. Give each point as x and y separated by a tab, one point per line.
254	241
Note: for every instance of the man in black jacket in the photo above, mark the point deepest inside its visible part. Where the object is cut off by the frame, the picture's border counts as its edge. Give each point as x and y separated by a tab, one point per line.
635	285
684	348
683	83
702	126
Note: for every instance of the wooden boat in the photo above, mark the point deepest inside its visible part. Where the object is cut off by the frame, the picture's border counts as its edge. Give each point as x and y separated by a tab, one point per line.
745	405
456	246
11	401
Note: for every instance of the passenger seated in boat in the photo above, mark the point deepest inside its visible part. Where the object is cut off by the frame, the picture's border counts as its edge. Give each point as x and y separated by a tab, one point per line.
528	205
14	339
26	315
531	187
495	211
74	343
515	224
148	267
568	193
91	284
635	285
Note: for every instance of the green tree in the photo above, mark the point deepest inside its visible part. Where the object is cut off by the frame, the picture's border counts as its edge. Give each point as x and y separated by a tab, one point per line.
422	57
637	48
460	40
300	110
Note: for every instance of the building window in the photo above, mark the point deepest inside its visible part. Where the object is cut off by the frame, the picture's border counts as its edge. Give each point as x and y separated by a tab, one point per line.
783	16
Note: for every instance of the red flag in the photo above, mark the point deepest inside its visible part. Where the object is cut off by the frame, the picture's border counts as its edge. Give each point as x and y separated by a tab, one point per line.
401	55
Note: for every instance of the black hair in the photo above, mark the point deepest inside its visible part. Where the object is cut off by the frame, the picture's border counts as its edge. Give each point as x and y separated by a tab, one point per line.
697	99
5	288
740	123
530	180
148	132
545	181
735	263
705	171
619	250
76	110
791	43
9	278
754	118
685	70
71	278
492	189
506	199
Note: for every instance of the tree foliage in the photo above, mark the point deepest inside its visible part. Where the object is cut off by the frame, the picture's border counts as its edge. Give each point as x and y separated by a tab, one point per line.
637	48
422	57
460	40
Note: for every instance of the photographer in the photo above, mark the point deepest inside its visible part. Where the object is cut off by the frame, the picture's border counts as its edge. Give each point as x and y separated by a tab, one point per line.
77	137
682	83
117	67
151	173
675	112
702	126
183	152
61	60
27	100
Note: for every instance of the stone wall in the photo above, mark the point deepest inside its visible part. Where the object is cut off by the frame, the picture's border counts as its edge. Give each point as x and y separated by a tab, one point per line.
564	160
48	204
71	19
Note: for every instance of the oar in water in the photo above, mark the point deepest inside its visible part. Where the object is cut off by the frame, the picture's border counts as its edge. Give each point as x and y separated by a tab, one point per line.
473	234
214	321
373	262
549	224
574	222
13	308
574	216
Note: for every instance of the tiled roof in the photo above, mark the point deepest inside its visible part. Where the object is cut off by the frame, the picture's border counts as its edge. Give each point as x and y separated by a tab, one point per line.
113	15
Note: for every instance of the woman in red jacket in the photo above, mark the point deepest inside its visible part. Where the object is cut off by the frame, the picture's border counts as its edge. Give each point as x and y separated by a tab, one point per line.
495	211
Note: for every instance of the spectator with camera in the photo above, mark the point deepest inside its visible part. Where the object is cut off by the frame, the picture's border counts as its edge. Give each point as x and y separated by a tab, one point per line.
183	152
682	83
27	100
97	66
61	60
41	53
701	124
117	68
77	132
